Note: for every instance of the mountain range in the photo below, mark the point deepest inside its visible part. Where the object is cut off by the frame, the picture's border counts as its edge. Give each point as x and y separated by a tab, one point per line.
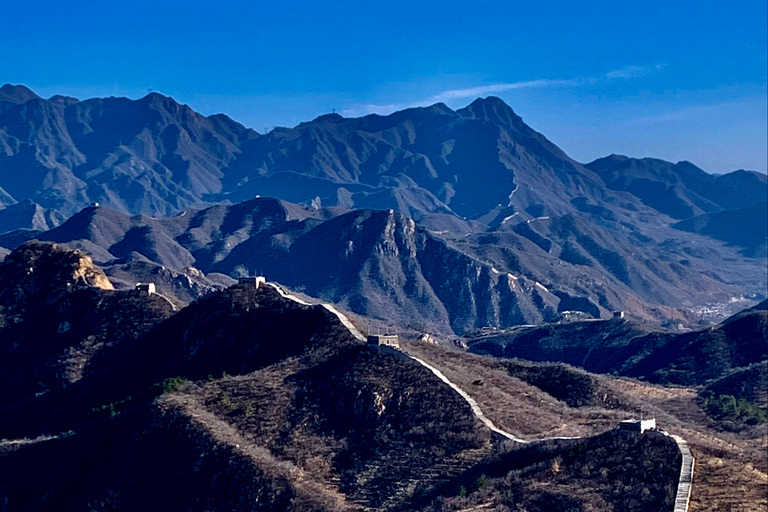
214	394
441	219
154	156
385	266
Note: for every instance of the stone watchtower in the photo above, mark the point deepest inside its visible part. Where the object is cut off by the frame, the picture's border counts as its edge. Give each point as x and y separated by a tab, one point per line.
637	426
146	288
384	340
255	281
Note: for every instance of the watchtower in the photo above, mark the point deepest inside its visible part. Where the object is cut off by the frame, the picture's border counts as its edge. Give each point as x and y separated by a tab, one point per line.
384	340
637	426
146	288
255	281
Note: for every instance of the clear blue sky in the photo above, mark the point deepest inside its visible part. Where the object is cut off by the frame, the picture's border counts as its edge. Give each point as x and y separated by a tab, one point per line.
674	79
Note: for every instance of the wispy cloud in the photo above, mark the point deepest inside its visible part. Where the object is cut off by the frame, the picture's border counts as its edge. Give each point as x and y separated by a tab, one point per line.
482	90
473	92
634	71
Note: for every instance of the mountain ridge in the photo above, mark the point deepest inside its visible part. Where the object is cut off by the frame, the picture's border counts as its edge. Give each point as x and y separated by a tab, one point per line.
384	265
189	159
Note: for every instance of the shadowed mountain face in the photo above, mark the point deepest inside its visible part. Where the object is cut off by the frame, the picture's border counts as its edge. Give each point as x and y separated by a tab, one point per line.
680	190
60	319
744	227
150	156
246	400
731	207
635	350
28	215
377	263
154	156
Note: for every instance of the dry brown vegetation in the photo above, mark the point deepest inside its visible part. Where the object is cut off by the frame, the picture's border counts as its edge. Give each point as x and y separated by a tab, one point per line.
372	425
730	473
521	408
605	473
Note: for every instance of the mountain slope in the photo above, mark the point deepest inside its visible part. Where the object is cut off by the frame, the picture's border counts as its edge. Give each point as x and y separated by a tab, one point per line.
636	350
744	227
386	266
60	320
286	410
375	263
28	215
150	156
680	190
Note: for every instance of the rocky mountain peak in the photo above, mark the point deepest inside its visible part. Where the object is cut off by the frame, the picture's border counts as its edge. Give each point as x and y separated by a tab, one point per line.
16	94
329	118
439	108
38	277
494	109
39	265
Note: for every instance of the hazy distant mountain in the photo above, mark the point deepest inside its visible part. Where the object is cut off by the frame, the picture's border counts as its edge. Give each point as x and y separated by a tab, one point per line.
146	156
745	227
681	190
28	215
155	156
640	351
12	95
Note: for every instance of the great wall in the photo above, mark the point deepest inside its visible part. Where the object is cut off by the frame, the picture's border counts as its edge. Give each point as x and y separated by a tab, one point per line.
685	480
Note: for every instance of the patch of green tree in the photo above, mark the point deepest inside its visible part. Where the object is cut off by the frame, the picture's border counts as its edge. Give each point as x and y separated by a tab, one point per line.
172	384
730	409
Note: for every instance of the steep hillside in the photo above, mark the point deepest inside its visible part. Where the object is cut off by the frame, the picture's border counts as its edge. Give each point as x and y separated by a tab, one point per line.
28	215
626	348
574	477
419	160
61	322
744	227
146	156
376	263
246	400
739	399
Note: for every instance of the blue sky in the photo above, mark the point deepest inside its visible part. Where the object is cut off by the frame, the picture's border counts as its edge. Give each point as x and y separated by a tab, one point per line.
675	80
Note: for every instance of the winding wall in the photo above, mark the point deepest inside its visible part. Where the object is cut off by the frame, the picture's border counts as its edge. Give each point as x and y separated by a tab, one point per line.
685	481
683	495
